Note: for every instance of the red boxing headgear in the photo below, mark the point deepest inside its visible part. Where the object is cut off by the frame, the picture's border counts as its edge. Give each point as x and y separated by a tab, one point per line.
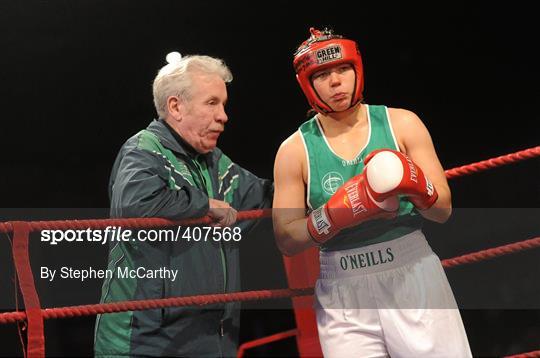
323	49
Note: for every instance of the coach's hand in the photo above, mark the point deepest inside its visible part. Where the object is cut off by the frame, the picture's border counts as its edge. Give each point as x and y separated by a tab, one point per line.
221	213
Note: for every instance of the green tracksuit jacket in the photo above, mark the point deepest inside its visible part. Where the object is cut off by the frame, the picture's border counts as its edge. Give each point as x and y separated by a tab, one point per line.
156	174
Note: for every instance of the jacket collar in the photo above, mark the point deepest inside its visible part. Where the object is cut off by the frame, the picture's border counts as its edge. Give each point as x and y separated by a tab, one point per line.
171	139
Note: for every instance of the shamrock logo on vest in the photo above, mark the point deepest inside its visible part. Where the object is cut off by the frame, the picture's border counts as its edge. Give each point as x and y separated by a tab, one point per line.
331	181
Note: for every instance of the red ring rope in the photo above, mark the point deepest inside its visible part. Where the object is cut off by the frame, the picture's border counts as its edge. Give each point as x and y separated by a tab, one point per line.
493	162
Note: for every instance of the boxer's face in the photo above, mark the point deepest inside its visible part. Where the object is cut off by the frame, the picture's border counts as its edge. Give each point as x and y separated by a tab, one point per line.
335	86
203	115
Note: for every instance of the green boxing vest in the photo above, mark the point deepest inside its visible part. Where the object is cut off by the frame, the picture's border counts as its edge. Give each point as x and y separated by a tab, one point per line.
327	172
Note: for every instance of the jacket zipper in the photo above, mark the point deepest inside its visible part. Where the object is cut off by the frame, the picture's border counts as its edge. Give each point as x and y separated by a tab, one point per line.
200	170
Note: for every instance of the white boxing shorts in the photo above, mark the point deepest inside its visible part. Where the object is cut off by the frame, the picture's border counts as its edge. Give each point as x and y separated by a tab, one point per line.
388	299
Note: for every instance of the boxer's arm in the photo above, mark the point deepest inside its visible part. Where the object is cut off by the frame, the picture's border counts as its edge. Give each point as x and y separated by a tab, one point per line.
415	141
289	208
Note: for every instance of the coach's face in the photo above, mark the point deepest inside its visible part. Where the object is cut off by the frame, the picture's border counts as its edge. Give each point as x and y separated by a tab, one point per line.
202	115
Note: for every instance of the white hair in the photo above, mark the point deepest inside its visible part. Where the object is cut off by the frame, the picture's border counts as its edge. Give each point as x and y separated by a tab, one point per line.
174	78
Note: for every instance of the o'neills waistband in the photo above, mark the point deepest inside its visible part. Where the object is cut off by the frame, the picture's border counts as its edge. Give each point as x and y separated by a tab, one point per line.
374	258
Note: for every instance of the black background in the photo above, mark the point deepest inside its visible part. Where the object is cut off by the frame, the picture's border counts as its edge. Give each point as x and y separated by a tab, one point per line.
76	83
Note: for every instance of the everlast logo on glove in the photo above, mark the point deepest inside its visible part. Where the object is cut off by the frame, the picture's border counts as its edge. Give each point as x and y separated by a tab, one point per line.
354	199
330	53
429	186
320	221
412	167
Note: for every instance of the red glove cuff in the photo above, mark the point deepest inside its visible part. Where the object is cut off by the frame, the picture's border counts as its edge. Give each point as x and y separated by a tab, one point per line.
319	226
